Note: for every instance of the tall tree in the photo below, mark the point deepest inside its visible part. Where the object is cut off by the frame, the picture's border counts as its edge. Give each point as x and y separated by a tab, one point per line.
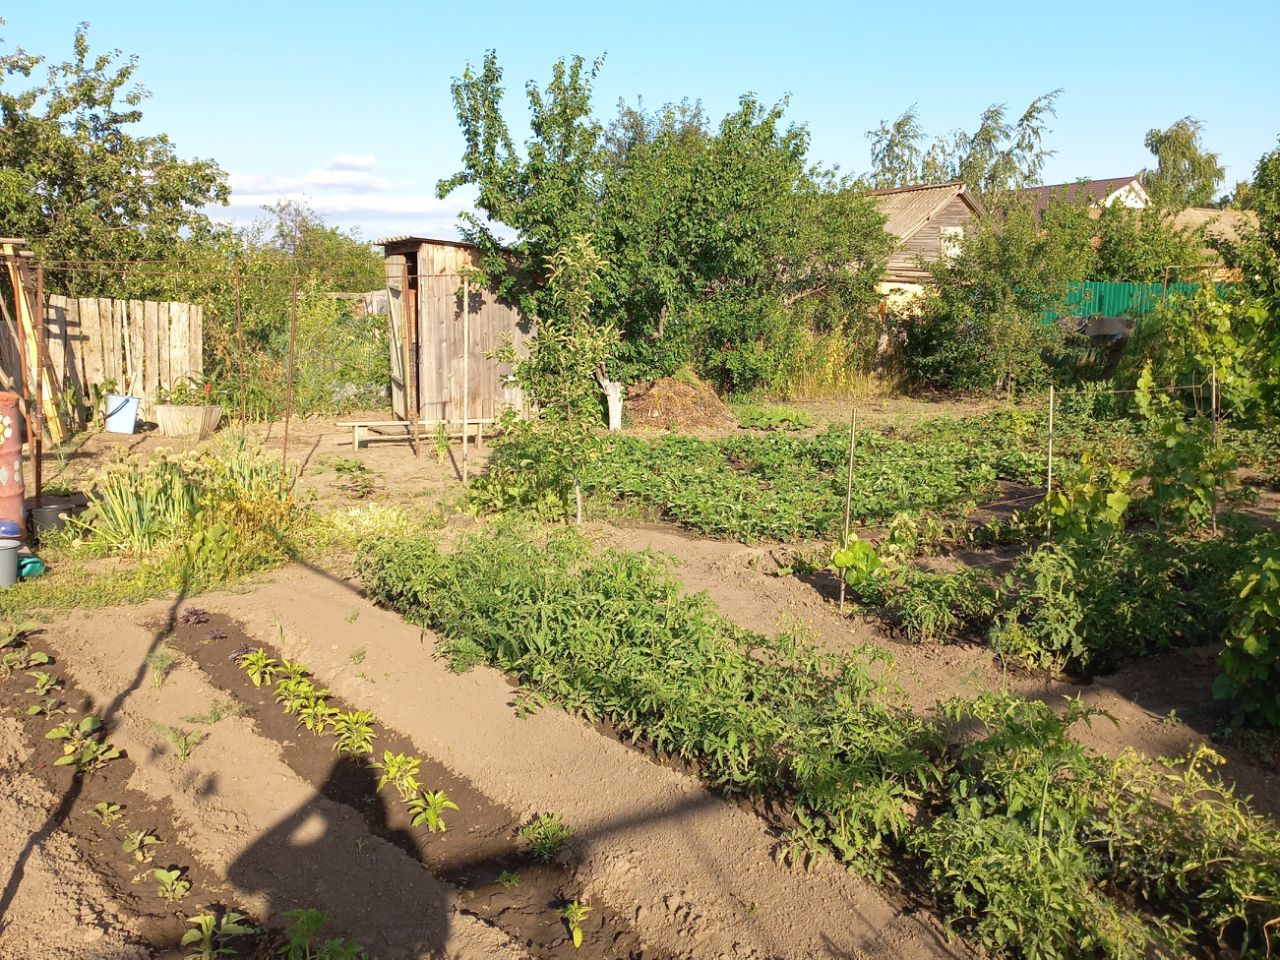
997	157
1256	253
1185	174
77	182
720	245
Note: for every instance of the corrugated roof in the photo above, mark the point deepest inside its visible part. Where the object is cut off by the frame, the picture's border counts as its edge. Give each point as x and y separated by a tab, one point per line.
386	241
907	209
1092	191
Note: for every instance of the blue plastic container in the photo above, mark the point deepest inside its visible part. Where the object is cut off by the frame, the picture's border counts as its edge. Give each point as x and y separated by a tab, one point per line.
122	413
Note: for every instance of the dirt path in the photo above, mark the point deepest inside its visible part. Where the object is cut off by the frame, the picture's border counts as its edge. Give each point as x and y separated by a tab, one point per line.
695	874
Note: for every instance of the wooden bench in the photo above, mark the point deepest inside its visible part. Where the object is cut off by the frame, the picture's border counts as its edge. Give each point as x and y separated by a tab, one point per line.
454	428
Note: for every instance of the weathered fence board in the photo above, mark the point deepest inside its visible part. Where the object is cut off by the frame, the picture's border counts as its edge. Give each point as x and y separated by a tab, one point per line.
143	347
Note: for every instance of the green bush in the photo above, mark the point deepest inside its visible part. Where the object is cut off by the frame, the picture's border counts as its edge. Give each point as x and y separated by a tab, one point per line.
1250	664
1091	604
933	607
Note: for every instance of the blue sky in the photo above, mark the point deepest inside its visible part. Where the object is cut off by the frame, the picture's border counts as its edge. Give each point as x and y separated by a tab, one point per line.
347	105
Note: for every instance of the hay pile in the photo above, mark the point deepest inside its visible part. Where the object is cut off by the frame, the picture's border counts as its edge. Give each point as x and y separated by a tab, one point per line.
682	405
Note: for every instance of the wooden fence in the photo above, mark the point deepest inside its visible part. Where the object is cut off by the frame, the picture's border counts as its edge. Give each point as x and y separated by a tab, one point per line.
142	347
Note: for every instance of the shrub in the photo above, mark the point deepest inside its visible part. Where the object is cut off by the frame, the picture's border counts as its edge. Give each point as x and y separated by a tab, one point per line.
934	607
1250	664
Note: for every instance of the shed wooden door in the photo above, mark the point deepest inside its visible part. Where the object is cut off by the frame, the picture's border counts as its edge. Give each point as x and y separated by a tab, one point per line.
441	350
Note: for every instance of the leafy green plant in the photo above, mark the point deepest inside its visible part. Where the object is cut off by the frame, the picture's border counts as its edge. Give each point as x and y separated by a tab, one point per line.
545	834
50	707
160	662
441	439
315	715
354	477
260	667
140	844
353	732
184	741
213	933
83	748
509	879
427	809
173	884
1090	499
106	812
858	564
43	683
758	417
934	607
1250	663
401	771
219	709
301	939
22	658
574	912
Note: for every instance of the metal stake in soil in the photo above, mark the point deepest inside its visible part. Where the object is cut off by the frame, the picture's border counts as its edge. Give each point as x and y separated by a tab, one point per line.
288	392
848	489
1048	484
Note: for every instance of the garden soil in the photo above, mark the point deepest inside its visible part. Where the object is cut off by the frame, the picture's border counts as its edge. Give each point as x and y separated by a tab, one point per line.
693	875
60	909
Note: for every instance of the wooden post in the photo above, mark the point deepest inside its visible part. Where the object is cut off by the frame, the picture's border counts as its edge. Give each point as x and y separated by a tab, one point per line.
408	317
1048	486
38	446
466	370
848	489
288	390
240	342
1213	412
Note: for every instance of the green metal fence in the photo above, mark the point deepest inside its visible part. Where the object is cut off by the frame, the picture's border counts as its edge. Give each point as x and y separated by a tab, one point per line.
1118	299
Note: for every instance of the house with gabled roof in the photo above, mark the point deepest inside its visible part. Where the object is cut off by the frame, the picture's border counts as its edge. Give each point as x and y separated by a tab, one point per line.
1126	191
929	221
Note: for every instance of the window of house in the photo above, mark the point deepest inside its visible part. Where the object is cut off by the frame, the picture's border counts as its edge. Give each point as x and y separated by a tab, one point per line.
950	242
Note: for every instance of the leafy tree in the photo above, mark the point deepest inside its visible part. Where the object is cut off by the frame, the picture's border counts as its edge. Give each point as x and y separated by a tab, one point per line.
999	155
1144	246
1256	254
722	246
558	374
1185	175
985	320
76	181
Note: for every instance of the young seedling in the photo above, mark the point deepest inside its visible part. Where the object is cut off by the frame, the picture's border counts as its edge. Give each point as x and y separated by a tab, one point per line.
300	940
401	771
545	834
50	707
358	655
354	733
427	809
184	741
315	715
574	912
107	813
21	659
442	443
261	668
82	747
218	708
160	663
173	885
139	843
43	683
509	879
212	932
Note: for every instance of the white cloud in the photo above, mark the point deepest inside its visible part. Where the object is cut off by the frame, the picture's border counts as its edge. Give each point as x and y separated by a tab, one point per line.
353	161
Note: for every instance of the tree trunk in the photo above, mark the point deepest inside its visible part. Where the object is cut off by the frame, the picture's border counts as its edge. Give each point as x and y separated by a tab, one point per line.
613	392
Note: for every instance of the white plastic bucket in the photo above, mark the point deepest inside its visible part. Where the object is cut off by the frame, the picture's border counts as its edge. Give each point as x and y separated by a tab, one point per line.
9	562
122	413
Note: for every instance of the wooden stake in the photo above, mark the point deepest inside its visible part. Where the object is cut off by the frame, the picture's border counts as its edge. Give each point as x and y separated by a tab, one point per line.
404	342
466	374
848	489
1048	486
288	391
38	445
1213	412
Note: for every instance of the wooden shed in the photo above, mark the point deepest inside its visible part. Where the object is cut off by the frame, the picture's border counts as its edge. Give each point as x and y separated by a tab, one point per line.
929	221
448	342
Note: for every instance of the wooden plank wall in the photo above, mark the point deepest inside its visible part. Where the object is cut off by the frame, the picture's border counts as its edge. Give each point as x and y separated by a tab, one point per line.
441	350
926	244
143	346
395	346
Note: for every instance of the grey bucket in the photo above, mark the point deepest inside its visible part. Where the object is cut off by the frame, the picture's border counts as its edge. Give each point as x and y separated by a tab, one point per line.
48	517
9	562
